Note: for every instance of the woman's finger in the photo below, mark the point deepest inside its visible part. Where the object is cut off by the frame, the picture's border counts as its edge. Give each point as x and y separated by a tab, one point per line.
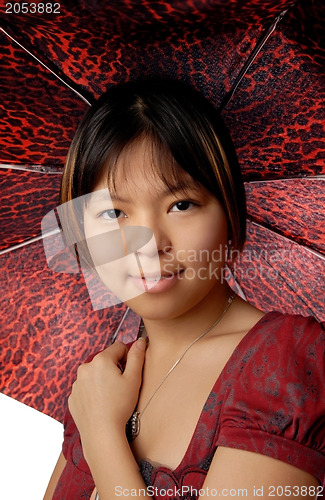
135	359
117	353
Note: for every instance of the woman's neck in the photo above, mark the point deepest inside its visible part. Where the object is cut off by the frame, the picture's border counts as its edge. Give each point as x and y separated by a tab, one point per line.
176	333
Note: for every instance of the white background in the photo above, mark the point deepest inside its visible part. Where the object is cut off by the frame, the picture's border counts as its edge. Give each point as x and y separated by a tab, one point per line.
30	444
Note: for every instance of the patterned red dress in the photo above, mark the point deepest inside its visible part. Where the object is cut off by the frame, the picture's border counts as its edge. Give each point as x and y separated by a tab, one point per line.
268	399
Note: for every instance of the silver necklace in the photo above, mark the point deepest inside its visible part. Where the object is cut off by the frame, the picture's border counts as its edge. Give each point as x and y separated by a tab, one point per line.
133	424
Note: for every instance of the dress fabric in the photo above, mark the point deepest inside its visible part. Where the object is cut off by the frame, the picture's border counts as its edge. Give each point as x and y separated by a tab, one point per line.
269	399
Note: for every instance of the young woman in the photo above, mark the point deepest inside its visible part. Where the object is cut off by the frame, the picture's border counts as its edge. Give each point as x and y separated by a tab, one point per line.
218	398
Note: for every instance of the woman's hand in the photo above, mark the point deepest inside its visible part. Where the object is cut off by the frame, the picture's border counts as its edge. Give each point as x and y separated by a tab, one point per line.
103	397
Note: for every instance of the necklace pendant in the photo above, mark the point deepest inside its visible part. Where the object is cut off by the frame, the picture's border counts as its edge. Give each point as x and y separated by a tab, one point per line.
133	426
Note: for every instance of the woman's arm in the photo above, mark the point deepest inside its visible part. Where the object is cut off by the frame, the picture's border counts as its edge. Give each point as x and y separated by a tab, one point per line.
55	477
236	473
122	473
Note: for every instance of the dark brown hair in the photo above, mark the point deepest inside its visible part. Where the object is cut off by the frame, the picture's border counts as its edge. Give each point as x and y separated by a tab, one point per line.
181	124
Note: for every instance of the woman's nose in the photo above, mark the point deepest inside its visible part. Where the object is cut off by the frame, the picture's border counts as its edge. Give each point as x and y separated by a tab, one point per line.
160	240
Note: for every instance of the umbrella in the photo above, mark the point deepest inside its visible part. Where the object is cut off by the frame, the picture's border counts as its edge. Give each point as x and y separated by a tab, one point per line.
259	62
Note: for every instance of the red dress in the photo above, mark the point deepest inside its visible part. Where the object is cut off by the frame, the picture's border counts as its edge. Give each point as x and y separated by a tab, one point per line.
269	399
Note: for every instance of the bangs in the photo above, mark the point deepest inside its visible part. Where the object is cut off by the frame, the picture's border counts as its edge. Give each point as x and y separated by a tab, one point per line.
160	166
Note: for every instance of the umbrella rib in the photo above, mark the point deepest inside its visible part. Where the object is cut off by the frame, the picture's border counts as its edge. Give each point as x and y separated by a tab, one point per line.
314	252
30	241
40	169
310	311
313	313
251	58
286	178
238	289
47	67
117	331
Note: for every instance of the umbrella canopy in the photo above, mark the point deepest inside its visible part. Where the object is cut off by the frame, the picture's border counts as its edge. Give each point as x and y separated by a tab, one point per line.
259	62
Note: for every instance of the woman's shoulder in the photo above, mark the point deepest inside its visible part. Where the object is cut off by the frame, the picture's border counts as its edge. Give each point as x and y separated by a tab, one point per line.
283	347
285	343
292	329
276	341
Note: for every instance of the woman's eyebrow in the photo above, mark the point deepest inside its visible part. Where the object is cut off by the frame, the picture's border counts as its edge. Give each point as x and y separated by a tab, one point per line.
105	195
120	199
173	190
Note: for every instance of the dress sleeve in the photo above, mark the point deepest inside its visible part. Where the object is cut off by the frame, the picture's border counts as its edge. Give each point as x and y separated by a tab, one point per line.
71	434
276	407
75	481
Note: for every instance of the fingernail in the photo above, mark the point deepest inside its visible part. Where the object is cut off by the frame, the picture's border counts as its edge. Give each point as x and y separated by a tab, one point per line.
141	344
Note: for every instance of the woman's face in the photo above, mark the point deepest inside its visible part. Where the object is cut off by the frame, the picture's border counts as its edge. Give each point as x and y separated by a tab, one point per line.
168	274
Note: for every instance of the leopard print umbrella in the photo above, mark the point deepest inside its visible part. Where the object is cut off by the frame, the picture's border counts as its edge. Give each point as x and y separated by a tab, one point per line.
260	62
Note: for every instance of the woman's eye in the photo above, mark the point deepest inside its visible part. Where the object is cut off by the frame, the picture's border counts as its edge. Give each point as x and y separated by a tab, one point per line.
112	214
182	206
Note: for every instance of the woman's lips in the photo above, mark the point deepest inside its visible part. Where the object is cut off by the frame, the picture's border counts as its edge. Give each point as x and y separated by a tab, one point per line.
156	284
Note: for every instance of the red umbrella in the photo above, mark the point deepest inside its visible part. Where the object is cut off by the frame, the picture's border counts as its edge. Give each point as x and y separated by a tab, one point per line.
260	62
